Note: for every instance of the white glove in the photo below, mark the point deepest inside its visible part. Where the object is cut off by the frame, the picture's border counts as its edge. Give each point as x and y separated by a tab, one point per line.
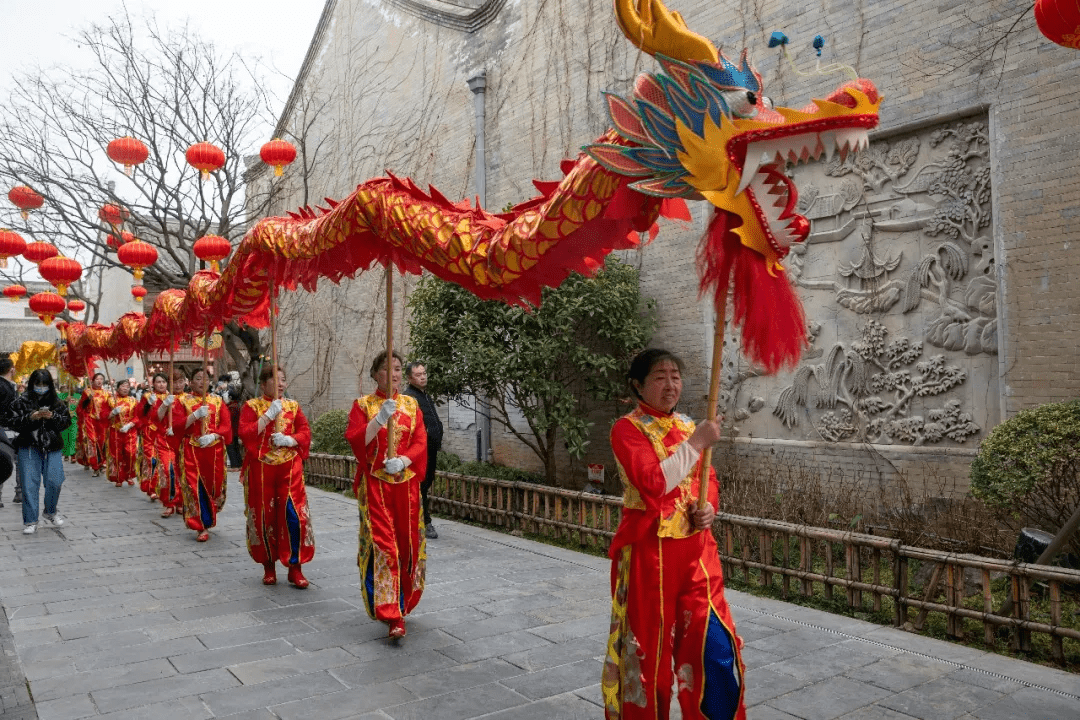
274	410
283	440
126	427
169	399
116	411
394	465
201	412
169	432
386	411
208	439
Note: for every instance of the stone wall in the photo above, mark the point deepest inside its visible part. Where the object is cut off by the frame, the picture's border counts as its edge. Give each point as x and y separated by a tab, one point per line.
966	306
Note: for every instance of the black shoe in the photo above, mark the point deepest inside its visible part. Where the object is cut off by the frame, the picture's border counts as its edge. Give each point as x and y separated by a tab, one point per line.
430	533
18	496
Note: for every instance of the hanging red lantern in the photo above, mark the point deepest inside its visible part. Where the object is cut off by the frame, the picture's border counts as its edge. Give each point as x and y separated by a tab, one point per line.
25	199
278	153
211	249
60	271
11	244
15	292
76	306
205	157
138	255
138	292
128	152
113	214
1059	21
46	306
38	252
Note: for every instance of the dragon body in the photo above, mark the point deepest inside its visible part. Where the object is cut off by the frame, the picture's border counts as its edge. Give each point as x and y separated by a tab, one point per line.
701	129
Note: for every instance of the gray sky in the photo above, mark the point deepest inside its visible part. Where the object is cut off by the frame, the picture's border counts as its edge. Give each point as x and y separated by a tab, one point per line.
279	31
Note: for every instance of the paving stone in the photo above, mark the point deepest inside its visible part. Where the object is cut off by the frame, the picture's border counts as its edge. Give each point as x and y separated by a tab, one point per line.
254	633
494	646
346	704
796	642
275	668
765	684
900	672
459	705
377	648
185	708
264	695
491	626
177	686
138	653
558	707
765	712
202	612
394	667
66	708
556	680
567	631
1030	704
308	609
459	677
831	660
550	655
875	712
106	677
224	657
829	699
945	698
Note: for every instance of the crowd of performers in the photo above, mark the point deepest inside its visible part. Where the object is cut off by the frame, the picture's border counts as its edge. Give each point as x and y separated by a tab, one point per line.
671	627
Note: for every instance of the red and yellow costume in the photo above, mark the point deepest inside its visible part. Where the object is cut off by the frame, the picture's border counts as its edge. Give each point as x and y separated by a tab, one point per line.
168	479
275	501
146	420
92	416
122	448
392	552
667	587
202	469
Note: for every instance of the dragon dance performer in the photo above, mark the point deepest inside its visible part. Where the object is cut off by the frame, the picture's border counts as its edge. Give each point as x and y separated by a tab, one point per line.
169	480
122	447
93	410
202	422
150	427
668	608
277	438
392	551
70	436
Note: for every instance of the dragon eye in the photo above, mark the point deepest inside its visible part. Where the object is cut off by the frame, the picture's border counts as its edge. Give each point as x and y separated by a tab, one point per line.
742	103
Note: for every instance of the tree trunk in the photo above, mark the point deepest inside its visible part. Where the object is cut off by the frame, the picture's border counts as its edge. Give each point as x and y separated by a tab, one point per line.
549	458
246	349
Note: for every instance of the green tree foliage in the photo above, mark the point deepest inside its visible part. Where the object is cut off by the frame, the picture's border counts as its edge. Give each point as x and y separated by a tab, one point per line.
328	433
1028	468
543	369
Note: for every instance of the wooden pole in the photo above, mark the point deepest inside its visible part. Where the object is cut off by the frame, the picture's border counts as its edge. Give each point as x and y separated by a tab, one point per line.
273	349
389	389
714	398
172	372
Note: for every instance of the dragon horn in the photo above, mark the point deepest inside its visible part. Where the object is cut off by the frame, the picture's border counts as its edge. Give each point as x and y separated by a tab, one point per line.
656	30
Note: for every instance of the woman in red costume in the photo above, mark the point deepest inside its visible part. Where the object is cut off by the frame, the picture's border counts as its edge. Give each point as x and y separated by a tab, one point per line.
203	425
92	414
392	553
122	449
150	426
277	438
669	619
168	480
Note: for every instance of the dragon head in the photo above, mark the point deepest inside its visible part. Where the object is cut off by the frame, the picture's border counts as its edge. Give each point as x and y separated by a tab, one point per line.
704	129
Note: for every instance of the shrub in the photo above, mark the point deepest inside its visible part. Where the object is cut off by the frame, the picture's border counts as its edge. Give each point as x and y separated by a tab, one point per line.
1028	468
448	462
328	433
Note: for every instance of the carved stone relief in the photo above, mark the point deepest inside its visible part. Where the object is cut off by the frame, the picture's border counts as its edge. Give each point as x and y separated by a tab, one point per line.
897	277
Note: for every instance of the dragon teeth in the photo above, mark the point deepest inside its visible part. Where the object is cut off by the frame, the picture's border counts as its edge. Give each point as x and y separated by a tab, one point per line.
801	149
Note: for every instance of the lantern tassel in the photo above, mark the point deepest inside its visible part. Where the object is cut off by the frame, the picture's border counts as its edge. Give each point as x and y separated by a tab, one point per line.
279	170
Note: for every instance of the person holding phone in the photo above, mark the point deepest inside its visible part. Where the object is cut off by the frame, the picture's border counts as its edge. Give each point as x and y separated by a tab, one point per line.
39	417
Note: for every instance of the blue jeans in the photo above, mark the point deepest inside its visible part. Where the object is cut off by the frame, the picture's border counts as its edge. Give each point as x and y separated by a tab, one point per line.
34	466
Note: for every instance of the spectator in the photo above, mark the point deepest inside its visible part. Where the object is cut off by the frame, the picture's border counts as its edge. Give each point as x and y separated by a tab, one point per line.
7	402
39	417
416	374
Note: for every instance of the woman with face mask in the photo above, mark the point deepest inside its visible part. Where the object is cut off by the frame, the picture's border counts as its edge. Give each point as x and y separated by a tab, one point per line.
39	417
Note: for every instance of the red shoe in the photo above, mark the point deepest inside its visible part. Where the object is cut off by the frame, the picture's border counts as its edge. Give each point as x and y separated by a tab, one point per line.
153	497
168	511
297	578
203	536
397	629
131	482
270	574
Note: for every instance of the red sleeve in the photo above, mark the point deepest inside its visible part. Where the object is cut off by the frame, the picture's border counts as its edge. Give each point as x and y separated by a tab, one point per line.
302	433
224	425
179	418
106	409
417	450
142	413
637	457
354	435
249	428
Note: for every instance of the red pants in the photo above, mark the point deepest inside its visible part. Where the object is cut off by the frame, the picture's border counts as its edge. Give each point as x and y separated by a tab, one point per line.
670	622
203	484
275	502
392	550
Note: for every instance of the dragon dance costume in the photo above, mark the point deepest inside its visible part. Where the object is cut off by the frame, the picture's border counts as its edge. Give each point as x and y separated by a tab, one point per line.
168	479
150	427
71	433
275	500
392	548
202	469
122	448
668	612
92	416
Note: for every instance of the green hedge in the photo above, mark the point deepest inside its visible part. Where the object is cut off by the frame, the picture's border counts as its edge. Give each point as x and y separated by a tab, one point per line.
328	433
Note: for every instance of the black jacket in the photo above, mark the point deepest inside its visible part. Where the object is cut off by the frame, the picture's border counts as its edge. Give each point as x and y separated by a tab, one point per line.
432	423
7	401
41	433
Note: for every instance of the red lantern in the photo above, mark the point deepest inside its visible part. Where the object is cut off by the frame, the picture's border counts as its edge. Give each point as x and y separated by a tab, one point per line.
61	272
47	305
15	292
38	252
211	249
1059	21
137	254
11	244
25	199
76	306
205	158
278	153
138	292
113	214
128	152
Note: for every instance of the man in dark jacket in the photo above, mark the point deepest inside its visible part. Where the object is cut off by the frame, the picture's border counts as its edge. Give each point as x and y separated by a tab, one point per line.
416	374
7	401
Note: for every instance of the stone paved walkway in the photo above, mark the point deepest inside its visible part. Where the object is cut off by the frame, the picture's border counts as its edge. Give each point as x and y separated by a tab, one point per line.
120	614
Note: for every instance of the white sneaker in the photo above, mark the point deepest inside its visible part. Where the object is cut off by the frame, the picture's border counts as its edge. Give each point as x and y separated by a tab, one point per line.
56	518
29	529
